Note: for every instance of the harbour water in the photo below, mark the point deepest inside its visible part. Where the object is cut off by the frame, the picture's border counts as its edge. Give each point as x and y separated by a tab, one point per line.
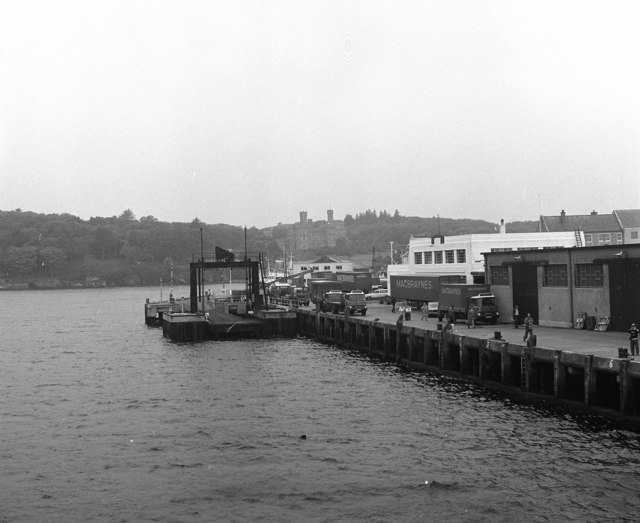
104	420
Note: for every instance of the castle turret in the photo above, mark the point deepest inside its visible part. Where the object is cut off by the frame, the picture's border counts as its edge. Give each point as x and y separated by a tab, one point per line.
330	216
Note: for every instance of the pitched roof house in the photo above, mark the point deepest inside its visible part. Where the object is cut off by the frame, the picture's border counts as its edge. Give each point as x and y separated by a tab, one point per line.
598	229
629	220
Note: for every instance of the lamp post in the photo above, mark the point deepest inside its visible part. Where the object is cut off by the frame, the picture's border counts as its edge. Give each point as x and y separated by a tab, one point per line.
391	244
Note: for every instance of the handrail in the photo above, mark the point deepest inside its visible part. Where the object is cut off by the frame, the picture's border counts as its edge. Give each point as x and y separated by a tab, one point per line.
290	303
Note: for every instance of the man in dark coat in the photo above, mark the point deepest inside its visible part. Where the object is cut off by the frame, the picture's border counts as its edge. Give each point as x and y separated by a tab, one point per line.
528	327
633	340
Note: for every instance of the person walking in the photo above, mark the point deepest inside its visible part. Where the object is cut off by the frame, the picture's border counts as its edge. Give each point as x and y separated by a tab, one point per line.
528	327
425	312
516	316
393	304
451	315
471	318
633	340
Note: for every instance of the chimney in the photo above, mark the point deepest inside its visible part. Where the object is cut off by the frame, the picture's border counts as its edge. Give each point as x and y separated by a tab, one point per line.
330	216
303	217
594	213
562	216
503	227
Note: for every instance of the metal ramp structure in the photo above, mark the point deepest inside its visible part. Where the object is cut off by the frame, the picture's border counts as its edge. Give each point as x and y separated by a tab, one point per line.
223	259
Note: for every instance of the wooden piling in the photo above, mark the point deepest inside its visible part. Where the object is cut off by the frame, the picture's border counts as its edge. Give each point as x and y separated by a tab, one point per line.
609	385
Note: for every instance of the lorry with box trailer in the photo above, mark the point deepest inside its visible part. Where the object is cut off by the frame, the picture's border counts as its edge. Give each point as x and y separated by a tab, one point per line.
341	281
318	288
420	290
346	280
457	298
355	281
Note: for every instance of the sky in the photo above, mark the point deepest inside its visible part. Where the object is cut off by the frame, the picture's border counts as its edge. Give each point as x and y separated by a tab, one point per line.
248	112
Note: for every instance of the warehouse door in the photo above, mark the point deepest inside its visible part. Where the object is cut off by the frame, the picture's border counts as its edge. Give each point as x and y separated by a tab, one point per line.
525	290
624	294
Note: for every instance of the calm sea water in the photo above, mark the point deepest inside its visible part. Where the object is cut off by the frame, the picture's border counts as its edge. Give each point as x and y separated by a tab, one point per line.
101	419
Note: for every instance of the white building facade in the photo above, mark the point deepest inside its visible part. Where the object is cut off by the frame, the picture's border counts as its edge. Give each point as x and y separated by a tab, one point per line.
462	256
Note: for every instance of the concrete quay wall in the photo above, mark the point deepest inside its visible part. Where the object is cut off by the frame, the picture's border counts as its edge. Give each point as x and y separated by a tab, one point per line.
609	386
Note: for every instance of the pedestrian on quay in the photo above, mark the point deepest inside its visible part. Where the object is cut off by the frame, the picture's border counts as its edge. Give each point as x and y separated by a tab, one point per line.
633	340
516	316
471	318
425	312
528	327
451	315
393	304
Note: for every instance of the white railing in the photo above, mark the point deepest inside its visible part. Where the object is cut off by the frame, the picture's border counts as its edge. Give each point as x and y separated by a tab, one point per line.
286	303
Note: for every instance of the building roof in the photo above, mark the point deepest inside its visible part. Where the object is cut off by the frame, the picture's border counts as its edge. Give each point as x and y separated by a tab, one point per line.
628	217
585	222
327	259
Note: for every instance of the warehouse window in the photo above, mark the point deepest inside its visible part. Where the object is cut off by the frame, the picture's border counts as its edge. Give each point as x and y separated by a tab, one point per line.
604	238
417	258
338	267
618	237
634	235
499	275
449	256
589	275
428	258
555	276
462	256
437	257
588	239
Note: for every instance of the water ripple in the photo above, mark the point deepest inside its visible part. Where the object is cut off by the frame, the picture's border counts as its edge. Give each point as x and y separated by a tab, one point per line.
117	424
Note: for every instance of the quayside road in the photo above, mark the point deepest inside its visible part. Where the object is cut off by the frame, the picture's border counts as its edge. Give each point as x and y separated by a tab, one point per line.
604	344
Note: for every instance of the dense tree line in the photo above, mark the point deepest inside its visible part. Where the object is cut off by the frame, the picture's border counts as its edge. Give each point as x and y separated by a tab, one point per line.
372	230
61	249
119	250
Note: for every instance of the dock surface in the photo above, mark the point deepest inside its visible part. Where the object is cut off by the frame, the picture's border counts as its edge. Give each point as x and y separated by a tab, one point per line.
604	344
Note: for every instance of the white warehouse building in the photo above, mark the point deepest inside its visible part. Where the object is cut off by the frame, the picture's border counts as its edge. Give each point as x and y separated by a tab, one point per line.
462	256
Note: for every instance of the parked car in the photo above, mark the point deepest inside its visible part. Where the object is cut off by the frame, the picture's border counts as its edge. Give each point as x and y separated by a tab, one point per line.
378	294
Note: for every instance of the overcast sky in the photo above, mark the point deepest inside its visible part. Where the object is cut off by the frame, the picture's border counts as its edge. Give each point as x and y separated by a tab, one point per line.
247	112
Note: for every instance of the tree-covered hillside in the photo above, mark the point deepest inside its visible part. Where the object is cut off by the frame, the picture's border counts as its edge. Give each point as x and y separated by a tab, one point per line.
54	250
61	250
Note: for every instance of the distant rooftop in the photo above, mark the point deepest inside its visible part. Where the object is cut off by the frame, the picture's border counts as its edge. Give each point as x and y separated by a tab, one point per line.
628	217
593	222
